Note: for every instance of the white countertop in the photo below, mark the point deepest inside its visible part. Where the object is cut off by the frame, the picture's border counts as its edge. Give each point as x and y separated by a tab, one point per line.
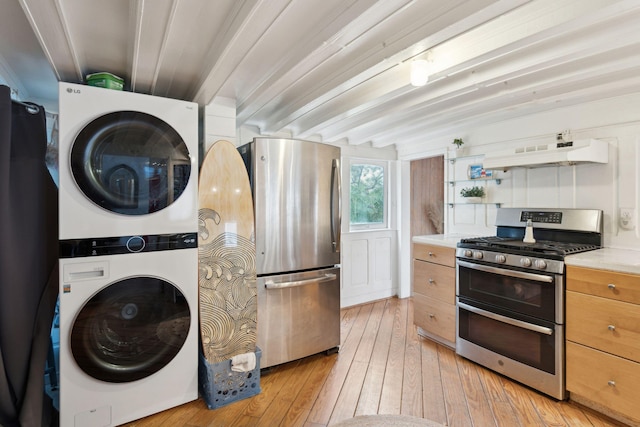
449	240
619	260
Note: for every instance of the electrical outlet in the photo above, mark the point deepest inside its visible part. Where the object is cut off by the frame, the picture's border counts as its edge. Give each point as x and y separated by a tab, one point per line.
627	219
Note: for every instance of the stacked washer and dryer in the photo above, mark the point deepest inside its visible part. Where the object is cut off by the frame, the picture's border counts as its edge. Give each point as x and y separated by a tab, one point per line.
128	255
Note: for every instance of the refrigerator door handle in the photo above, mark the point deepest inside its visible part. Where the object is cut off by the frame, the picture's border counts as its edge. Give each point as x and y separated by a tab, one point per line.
336	218
270	284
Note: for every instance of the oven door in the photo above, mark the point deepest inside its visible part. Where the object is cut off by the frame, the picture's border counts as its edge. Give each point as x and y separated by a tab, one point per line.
538	295
525	349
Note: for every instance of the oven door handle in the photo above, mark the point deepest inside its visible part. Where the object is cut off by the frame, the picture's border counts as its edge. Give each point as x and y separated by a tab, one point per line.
505	272
505	319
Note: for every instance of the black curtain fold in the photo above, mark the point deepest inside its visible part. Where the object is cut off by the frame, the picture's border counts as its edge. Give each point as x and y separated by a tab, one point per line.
28	263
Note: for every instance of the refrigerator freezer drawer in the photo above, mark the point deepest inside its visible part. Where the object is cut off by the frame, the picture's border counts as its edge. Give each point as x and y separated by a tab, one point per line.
298	315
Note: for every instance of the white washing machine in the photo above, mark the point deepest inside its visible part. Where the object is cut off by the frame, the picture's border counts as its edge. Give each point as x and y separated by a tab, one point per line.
128	334
128	163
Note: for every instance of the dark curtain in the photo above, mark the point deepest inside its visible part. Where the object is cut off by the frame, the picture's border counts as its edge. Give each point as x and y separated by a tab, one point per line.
28	263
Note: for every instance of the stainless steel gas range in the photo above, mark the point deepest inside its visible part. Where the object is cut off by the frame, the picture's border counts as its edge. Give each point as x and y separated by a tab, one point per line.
510	293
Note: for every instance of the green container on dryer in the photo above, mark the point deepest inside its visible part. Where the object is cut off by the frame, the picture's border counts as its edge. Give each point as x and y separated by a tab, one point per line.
106	80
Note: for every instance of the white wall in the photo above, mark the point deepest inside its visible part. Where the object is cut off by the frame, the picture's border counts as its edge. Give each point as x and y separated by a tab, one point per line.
369	269
218	122
608	186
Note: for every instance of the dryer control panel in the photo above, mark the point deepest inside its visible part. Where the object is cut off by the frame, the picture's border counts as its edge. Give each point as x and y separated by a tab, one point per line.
76	248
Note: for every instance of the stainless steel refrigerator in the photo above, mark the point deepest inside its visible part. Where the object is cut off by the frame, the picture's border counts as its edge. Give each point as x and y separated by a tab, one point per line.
296	195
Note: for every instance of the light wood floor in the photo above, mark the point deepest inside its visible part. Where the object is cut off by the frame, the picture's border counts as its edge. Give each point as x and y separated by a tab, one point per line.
384	367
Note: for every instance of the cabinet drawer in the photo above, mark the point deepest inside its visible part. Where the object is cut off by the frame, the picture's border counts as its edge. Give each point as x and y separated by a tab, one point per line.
434	280
590	371
605	324
607	284
435	317
433	253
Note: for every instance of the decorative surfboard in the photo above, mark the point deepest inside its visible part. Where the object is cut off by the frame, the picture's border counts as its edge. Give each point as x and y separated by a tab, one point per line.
227	255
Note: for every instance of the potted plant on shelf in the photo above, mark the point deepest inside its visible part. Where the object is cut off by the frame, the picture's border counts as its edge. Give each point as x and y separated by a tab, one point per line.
473	194
458	142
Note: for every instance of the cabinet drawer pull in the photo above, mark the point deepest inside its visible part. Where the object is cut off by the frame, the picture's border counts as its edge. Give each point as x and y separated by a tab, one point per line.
431	280
611	286
611	327
430	253
611	383
431	315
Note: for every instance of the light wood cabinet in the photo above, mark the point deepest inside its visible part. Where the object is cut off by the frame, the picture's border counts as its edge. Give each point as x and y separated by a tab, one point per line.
603	341
434	292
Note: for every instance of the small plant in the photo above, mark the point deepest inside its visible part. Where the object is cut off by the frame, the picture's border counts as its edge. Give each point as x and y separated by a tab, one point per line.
472	192
458	142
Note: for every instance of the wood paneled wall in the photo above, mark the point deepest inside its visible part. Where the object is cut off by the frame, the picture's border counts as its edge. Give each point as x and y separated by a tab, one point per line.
427	196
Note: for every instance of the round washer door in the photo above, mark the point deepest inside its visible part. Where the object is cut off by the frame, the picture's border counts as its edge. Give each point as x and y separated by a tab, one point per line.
130	163
130	329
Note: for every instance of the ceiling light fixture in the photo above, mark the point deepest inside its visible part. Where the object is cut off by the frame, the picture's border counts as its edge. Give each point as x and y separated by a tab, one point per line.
419	72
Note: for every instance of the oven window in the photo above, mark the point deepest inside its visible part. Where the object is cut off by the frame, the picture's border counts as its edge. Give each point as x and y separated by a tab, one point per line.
525	296
531	348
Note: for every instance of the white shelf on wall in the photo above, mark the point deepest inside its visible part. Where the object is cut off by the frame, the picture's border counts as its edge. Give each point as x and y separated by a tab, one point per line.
497	204
459	170
497	180
452	160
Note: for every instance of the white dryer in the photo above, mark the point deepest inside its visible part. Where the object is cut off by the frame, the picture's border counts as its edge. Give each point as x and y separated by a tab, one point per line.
128	335
128	163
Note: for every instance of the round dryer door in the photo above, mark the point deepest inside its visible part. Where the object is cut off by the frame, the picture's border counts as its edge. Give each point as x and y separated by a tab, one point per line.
131	163
130	329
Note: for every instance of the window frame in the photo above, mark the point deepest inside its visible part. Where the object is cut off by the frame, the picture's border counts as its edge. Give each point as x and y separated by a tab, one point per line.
384	164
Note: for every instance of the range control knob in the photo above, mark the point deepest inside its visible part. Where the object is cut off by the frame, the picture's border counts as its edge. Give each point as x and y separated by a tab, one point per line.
501	259
468	253
525	262
477	254
540	264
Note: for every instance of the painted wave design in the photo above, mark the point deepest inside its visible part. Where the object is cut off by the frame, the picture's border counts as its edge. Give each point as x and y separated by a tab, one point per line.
228	298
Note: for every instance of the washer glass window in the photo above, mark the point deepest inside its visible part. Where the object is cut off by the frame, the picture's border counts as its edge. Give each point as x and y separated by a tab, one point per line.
130	163
130	329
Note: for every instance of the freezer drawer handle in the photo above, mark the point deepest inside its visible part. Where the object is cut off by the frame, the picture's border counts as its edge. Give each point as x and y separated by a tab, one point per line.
270	284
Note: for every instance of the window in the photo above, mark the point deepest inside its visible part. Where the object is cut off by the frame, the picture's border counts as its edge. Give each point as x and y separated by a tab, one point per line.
368	194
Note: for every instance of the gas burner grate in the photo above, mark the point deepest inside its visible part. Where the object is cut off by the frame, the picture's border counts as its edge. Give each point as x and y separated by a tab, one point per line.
485	239
569	248
540	247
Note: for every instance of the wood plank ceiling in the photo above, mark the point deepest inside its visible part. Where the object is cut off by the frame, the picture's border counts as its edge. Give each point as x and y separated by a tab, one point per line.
334	69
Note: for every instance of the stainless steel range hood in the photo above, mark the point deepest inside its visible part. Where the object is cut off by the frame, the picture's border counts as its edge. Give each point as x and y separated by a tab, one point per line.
560	153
